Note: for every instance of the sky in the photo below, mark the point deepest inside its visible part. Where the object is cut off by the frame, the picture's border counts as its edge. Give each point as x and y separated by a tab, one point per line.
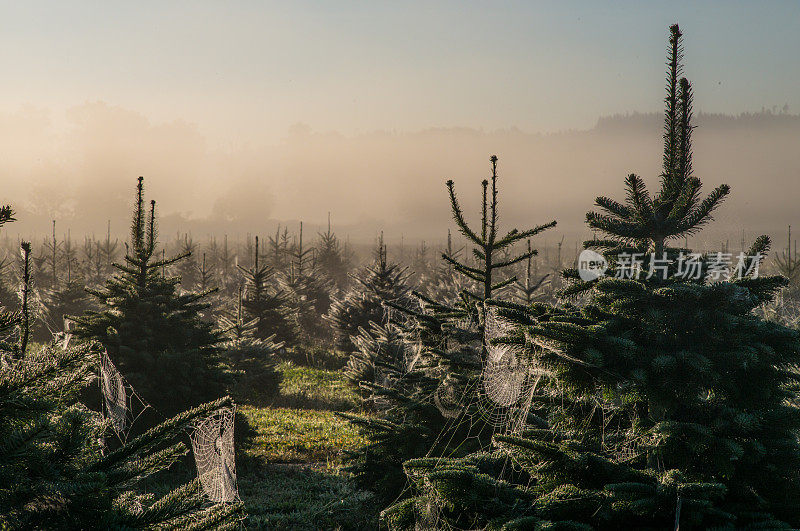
244	70
266	112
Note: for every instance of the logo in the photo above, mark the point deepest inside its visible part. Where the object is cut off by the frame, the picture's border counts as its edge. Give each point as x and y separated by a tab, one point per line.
591	265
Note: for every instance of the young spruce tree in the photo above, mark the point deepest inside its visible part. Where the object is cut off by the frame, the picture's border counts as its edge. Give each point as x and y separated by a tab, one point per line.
664	402
431	399
151	330
56	472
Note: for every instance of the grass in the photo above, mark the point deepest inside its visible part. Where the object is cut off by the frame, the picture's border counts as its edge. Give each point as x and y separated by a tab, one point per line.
288	471
313	388
299	435
304	497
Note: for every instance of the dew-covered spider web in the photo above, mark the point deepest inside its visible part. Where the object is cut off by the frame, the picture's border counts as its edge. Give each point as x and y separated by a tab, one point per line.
212	445
121	404
508	378
115	399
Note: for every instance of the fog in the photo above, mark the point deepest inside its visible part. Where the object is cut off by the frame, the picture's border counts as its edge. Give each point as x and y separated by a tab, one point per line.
80	168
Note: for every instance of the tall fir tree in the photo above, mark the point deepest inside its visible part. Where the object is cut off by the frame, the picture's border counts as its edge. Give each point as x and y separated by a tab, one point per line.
329	259
432	399
55	470
662	402
265	300
309	293
380	282
152	332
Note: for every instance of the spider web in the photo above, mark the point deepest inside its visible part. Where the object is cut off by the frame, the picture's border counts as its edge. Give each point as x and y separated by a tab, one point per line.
498	399
508	379
115	398
119	398
212	445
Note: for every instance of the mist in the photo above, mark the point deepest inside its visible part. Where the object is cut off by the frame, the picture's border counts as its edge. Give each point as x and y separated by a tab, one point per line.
81	168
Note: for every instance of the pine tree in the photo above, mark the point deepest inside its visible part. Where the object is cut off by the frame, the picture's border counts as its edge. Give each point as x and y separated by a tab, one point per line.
108	252
663	401
526	290
329	257
363	303
278	249
266	301
432	398
152	332
55	471
187	269
254	358
308	292
380	354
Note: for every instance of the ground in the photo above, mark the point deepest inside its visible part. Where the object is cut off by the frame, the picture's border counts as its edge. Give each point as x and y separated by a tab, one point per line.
289	468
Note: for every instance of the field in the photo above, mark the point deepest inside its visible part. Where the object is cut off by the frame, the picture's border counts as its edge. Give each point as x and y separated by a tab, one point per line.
289	467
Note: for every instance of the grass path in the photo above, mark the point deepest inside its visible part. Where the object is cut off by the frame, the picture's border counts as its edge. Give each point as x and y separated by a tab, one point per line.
288	474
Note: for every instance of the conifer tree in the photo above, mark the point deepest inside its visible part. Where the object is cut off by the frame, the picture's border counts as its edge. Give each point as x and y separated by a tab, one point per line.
663	402
788	264
187	269
526	289
308	291
278	249
380	354
329	257
152	332
363	303
266	301
432	399
55	471
108	252
8	295
488	243
253	357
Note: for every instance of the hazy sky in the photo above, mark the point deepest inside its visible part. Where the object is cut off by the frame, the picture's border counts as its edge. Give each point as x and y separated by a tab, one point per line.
259	113
246	70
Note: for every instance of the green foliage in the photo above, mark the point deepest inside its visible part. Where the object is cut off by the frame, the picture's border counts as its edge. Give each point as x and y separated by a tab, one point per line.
151	331
378	283
55	471
69	298
659	402
265	301
381	353
428	401
488	242
330	258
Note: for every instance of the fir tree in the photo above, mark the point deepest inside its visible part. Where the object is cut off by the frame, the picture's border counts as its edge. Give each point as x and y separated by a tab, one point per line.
254	358
664	401
108	252
432	398
329	257
488	243
55	471
152	332
266	301
363	303
380	354
187	269
525	291
308	291
278	249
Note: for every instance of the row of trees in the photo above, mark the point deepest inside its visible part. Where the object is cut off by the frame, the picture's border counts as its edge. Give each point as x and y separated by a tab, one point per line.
634	402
